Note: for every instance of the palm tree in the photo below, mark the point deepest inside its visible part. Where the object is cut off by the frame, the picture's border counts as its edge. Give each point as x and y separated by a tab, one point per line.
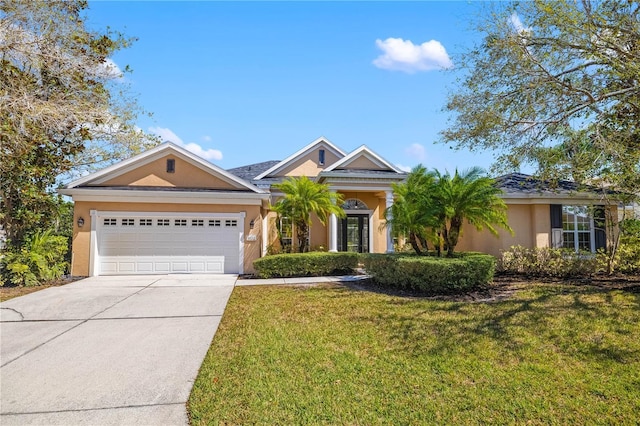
413	212
471	196
302	197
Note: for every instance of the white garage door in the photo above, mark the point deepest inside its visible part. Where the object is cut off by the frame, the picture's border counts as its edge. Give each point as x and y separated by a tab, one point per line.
160	244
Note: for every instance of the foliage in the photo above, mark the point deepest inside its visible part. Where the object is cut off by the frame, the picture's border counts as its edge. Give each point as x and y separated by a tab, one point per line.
555	84
431	275
626	258
547	262
331	354
306	264
413	213
63	105
433	206
303	197
41	259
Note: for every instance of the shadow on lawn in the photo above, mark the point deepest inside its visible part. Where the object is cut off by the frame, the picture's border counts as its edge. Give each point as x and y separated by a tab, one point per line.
578	321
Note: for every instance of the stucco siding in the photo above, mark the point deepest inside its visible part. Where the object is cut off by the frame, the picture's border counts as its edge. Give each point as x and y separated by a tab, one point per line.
308	165
362	163
155	173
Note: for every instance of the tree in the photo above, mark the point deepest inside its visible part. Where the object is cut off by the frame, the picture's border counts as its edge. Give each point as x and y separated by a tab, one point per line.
433	206
302	197
469	196
413	212
555	84
63	105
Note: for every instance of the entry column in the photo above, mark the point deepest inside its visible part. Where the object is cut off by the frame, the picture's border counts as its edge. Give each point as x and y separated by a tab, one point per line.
389	202
333	233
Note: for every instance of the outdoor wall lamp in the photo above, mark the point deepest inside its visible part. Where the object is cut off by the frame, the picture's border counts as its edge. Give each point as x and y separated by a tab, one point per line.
252	224
80	222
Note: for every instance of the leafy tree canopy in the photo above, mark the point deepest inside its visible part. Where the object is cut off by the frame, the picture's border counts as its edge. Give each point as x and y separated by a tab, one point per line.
64	106
555	84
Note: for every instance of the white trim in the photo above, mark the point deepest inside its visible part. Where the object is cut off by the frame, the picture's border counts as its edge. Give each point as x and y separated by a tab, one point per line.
164	197
333	233
243	216
388	204
363	151
152	155
370	215
136	214
300	153
265	235
550	199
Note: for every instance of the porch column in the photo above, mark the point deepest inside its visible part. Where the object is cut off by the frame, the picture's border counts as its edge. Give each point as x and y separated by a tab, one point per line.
333	233
265	234
389	200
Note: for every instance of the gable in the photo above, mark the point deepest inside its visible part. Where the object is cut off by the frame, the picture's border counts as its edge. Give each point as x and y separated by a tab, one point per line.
306	162
155	174
309	164
363	163
150	170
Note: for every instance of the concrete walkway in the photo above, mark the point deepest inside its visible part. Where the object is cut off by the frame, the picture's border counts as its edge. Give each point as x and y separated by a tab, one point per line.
107	350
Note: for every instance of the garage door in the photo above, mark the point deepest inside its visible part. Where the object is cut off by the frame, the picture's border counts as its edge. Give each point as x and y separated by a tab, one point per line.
160	244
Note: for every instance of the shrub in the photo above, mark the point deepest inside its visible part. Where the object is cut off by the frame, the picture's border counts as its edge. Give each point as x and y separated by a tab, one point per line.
40	259
431	275
305	264
626	260
547	262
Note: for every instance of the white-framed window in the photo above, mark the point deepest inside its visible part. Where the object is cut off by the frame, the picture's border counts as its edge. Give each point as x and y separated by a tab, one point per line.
577	228
286	230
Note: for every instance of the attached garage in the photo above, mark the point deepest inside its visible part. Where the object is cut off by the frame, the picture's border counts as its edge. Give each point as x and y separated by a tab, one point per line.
161	243
165	211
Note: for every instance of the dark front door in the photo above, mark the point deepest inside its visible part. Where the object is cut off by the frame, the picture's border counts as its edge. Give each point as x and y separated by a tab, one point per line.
353	233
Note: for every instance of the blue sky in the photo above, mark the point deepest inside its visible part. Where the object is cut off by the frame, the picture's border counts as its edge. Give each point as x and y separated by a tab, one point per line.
245	82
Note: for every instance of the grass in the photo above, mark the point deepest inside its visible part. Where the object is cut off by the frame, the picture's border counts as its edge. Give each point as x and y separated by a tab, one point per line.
550	354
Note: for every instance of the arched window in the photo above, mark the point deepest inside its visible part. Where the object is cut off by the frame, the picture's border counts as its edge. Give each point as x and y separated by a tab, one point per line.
354	204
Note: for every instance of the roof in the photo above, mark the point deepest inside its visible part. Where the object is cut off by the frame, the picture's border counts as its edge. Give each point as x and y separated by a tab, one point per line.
363	151
520	183
250	171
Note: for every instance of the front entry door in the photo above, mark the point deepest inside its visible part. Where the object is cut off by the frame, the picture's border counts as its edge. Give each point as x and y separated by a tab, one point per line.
353	233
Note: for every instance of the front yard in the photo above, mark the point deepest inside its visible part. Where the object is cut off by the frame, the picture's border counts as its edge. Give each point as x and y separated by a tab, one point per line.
545	354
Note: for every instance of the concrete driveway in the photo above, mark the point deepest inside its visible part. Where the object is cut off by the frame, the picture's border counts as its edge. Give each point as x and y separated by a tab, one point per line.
108	350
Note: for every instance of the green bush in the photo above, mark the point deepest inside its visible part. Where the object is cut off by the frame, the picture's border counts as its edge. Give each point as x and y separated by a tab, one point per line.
547	262
305	264
431	275
40	259
626	260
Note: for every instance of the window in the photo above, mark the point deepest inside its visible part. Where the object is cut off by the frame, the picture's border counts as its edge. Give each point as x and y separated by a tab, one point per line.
197	222
110	222
146	222
180	222
577	228
214	222
321	157
171	165
231	222
128	222
163	222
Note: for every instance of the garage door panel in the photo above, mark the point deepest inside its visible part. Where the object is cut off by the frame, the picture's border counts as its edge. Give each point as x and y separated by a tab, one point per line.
151	248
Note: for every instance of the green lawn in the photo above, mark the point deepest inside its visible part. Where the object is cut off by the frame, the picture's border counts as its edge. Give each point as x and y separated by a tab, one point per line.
329	354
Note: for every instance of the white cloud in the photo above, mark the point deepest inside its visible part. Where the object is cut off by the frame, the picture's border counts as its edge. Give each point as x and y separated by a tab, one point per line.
403	55
168	135
110	69
404	168
206	138
416	151
517	24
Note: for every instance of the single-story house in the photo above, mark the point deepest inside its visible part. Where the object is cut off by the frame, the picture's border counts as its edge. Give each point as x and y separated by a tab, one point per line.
169	211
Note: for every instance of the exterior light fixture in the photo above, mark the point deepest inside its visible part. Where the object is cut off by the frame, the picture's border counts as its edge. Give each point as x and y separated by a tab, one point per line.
80	222
252	224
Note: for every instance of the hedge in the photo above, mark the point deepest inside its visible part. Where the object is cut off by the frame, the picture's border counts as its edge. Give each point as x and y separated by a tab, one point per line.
431	275
306	264
547	262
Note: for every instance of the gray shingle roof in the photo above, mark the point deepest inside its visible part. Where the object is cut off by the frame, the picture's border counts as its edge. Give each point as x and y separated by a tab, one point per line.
252	170
514	183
